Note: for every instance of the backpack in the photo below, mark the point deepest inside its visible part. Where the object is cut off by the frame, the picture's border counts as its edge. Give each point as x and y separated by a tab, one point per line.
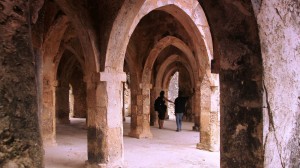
159	105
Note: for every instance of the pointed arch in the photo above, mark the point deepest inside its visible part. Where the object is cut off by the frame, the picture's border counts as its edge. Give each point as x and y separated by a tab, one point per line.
189	13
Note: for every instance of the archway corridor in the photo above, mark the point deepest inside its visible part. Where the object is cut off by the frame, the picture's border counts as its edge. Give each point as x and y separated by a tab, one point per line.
239	59
167	148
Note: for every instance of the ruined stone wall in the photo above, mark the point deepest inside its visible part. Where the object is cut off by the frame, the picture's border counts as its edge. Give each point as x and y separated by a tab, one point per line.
20	141
279	26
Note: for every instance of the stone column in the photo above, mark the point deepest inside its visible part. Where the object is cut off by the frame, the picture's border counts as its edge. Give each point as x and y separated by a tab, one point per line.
167	103
62	104
79	92
142	128
207	118
105	129
153	114
48	125
197	107
20	138
215	118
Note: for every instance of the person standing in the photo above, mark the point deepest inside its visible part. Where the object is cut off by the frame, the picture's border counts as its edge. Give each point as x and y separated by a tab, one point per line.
161	108
180	103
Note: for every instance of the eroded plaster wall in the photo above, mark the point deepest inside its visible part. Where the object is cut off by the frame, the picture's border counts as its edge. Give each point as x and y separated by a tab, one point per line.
279	30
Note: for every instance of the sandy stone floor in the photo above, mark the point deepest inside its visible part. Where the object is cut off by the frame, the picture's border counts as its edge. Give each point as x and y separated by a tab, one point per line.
167	148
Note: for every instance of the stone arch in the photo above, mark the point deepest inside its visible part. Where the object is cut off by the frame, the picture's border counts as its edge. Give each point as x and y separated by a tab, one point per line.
154	53
145	97
207	136
192	15
62	106
162	81
76	52
159	46
190	19
66	77
163	73
241	72
50	49
167	69
103	92
135	80
167	76
82	24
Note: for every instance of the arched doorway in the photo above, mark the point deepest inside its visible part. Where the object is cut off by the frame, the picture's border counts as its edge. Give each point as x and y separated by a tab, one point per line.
191	37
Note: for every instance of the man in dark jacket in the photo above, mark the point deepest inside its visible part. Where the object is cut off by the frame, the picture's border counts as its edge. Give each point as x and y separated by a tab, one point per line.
180	103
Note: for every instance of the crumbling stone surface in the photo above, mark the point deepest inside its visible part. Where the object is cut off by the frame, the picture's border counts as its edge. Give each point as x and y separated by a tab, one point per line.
280	33
294	143
20	144
240	81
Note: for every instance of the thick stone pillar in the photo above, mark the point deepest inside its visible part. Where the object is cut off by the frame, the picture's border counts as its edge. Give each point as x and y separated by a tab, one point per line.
142	128
105	129
208	119
134	111
48	125
20	139
62	104
153	114
215	119
241	72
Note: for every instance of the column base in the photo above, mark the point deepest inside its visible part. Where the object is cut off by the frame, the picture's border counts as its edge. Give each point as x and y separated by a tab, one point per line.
49	141
196	128
207	147
95	165
144	134
203	146
102	165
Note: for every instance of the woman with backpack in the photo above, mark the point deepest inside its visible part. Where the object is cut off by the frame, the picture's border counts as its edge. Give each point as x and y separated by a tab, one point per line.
161	108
